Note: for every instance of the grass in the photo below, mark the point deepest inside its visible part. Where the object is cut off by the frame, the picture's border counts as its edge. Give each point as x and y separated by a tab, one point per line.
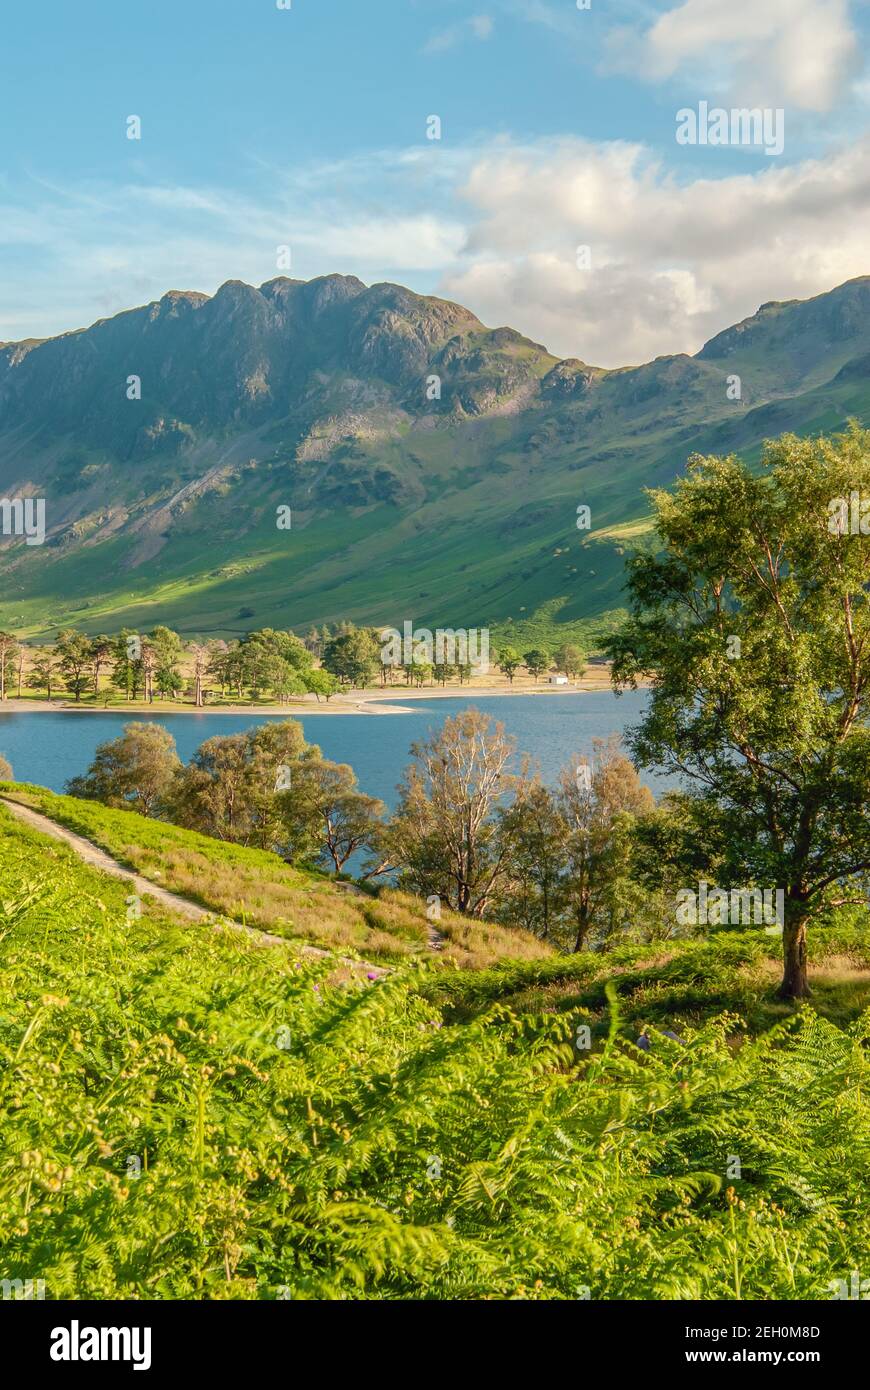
185	1115
258	889
675	984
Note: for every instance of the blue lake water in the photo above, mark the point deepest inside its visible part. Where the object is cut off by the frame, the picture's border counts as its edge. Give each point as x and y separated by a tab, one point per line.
47	748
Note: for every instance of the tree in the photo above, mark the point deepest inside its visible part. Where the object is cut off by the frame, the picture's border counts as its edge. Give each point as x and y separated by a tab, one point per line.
324	807
167	650
100	651
679	843
443	671
753	626
536	662
232	787
285	680
445	833
236	667
276	661
534	891
421	672
42	672
21	655
73	651
8	649
200	654
126	667
509	662
148	665
134	772
598	803
571	660
321	683
353	657
220	663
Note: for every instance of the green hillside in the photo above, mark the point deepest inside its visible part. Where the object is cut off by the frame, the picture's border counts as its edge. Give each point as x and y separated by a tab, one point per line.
258	889
186	1114
455	511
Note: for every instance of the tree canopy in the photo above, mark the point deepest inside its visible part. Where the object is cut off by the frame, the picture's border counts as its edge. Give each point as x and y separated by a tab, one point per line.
753	625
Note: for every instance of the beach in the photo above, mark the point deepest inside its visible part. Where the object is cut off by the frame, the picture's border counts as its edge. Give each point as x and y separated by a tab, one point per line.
394	699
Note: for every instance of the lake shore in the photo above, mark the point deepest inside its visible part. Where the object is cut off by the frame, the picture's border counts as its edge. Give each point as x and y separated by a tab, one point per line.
373	702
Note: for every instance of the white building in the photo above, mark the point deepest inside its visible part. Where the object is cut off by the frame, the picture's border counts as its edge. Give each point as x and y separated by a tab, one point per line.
558	680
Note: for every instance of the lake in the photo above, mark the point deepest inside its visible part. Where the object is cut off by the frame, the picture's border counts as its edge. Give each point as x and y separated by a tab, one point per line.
48	748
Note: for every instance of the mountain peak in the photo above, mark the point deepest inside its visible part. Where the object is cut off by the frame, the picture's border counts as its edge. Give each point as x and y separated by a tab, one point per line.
339	399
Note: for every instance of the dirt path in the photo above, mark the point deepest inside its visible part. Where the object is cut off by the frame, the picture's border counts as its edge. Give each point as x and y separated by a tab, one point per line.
143	887
435	937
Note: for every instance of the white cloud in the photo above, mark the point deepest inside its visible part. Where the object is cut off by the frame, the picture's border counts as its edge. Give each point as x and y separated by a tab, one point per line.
801	53
71	255
495	226
672	263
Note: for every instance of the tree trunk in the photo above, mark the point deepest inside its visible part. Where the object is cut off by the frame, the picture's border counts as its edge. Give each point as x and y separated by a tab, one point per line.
582	931
794	958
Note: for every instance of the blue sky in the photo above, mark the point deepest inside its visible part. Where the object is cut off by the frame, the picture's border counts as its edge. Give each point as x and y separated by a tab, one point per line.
306	127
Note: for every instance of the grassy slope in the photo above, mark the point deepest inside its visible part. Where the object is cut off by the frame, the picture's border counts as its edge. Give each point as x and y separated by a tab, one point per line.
492	542
185	1115
259	889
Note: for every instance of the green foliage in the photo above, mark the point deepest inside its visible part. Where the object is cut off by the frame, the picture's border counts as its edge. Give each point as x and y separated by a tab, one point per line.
185	1115
570	659
536	662
133	771
321	684
509	662
230	787
353	657
753	623
73	652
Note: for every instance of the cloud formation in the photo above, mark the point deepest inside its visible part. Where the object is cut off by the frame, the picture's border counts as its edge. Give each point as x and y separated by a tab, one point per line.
672	262
798	53
496	225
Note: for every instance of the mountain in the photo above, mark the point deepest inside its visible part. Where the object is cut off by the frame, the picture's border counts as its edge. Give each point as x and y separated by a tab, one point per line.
433	466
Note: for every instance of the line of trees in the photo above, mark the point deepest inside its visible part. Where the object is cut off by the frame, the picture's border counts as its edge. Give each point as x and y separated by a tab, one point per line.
472	830
160	665
265	788
568	660
266	664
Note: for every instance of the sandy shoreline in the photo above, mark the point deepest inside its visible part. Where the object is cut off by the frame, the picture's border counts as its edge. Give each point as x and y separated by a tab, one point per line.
353	702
